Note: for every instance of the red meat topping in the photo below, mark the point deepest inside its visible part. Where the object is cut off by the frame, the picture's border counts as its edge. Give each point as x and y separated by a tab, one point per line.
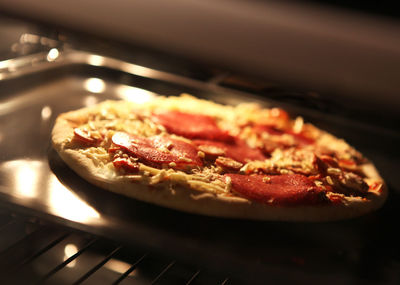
157	150
291	189
192	126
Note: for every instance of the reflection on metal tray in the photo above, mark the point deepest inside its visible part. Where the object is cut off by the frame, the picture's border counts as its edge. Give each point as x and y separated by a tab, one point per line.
34	181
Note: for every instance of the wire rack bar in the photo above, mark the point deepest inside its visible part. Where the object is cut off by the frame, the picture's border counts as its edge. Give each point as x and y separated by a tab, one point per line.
163	272
63	264
21	240
98	266
194	276
43	250
225	281
133	267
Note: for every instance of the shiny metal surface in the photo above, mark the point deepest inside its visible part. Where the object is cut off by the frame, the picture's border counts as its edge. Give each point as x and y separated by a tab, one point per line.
309	44
34	180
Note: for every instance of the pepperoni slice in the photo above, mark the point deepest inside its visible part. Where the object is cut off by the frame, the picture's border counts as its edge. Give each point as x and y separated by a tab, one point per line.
268	129
192	126
84	136
126	164
238	150
290	189
299	138
278	113
157	150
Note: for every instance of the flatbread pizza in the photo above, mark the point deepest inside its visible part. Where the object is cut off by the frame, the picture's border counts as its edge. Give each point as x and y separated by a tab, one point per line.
198	156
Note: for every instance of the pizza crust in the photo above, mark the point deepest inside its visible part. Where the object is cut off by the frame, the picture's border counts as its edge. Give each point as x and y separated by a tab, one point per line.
183	198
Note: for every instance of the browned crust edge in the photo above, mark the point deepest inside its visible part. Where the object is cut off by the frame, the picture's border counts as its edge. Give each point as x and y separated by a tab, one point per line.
192	201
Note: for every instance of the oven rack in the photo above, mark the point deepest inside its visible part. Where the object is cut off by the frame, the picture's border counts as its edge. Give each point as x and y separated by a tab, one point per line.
35	252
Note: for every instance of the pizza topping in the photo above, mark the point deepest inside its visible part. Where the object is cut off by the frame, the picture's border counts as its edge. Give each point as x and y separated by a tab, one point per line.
290	190
193	126
122	140
298	125
269	137
327	144
334	171
375	186
348	164
211	151
327	162
201	154
335	198
279	114
158	151
346	183
329	180
280	161
266	179
159	177
126	164
87	137
270	129
238	150
284	137
287	161
353	183
228	164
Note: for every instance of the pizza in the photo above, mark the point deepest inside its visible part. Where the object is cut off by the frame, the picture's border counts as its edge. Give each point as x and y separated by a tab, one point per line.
197	156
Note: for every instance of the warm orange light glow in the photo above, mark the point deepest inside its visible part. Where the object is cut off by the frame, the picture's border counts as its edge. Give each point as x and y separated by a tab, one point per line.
25	176
94	85
69	250
95	60
119	266
90	101
68	205
134	94
53	54
46	112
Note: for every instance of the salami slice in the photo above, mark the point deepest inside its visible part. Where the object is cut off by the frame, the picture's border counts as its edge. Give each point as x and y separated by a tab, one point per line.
193	126
290	189
238	150
159	150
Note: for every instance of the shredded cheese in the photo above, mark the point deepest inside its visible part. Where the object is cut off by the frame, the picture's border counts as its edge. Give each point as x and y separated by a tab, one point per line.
113	116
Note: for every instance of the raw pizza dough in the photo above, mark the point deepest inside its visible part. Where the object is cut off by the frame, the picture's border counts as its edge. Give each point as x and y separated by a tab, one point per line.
110	146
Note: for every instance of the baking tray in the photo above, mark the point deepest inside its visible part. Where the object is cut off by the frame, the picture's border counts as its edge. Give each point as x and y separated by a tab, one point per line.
35	181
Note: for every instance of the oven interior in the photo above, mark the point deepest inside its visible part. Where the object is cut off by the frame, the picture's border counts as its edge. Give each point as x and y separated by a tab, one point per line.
55	228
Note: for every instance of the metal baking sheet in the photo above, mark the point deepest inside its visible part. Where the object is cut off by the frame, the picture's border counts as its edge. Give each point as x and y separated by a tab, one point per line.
34	180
